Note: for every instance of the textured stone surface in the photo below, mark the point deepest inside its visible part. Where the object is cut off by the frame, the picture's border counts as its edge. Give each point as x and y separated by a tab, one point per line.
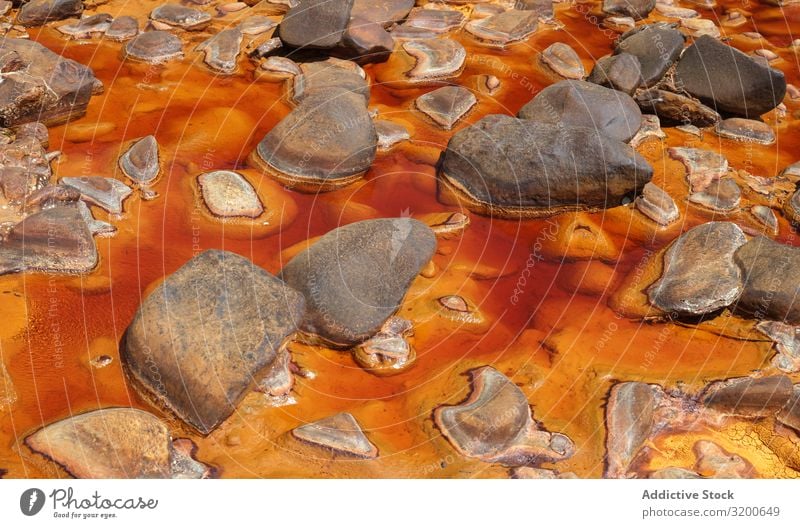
315	23
355	277
771	273
47	88
629	422
446	105
504	28
200	339
140	162
154	47
228	194
110	443
675	108
520	167
728	80
657	46
38	12
636	9
657	205
700	275
340	432
53	240
621	72
495	424
328	141
749	396
584	104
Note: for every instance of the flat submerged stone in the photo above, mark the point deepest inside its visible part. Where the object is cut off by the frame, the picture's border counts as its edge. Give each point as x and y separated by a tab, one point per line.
446	105
228	194
340	432
110	443
495	424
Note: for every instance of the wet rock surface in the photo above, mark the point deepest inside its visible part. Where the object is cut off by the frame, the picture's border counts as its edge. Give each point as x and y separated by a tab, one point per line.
493	164
702	166
621	72
722	195
44	86
504	28
107	193
218	317
495	424
630	420
675	108
341	433
228	194
222	50
564	61
52	240
657	205
87	27
700	275
122	28
636	9
728	80
315	23
749	396
771	281
657	46
325	76
122	443
140	162
584	104
182	17
446	105
328	141
436	59
746	130
38	12
155	47
354	278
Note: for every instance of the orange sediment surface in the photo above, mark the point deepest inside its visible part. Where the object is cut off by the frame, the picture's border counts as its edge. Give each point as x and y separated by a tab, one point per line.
542	317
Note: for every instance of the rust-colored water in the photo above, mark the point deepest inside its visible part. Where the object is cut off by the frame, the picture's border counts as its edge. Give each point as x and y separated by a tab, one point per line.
546	325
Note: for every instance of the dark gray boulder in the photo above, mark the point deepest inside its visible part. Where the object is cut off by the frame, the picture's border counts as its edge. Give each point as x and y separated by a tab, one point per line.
516	167
657	46
355	277
315	23
621	72
728	80
327	142
771	273
199	341
585	104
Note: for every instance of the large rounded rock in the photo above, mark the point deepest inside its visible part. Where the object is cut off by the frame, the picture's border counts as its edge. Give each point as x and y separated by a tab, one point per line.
201	338
514	167
700	275
584	104
657	46
771	273
728	80
315	23
621	72
38	12
355	277
327	142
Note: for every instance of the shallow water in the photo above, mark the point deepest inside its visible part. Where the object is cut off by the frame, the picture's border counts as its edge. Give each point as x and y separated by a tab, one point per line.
563	347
